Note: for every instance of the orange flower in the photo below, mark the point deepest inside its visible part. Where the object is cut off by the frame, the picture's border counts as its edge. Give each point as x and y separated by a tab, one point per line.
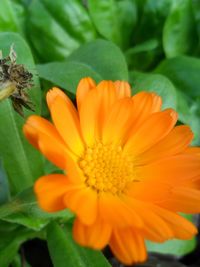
128	170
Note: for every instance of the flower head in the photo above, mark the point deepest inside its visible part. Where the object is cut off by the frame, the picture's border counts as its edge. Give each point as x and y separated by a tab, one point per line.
128	170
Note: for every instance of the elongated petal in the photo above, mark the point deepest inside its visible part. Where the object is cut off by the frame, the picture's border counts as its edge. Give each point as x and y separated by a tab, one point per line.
109	204
156	103
118	122
193	150
43	136
145	104
128	245
66	120
107	96
89	115
151	132
183	199
179	169
50	190
123	89
143	107
174	143
84	86
95	236
83	201
154	227
160	190
181	227
94	110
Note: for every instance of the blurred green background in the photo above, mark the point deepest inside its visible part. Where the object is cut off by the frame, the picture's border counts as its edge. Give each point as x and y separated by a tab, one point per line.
153	44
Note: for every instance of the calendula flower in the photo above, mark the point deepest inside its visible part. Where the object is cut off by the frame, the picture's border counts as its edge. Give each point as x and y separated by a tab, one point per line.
128	170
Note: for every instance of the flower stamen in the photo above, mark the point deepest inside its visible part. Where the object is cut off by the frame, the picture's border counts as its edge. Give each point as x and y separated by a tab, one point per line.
106	168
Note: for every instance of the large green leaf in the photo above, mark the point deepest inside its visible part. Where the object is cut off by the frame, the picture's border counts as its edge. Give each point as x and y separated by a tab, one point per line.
155	83
4	190
8	18
153	15
183	71
66	74
105	17
24	210
127	17
99	60
65	252
23	164
63	25
146	53
103	57
180	33
196	9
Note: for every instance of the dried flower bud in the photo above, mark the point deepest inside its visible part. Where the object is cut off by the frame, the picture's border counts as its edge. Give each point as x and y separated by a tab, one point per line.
14	79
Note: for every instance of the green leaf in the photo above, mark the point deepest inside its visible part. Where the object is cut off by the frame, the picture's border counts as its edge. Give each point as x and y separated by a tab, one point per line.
155	83
22	163
127	17
12	236
24	210
8	19
146	53
104	14
66	74
64	250
63	25
103	57
196	10
174	247
188	111
180	33
4	190
183	71
152	19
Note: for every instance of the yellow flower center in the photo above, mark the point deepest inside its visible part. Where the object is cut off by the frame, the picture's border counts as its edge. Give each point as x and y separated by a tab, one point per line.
106	168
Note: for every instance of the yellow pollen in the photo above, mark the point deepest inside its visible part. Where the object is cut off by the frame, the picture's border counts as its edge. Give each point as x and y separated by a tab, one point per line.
106	168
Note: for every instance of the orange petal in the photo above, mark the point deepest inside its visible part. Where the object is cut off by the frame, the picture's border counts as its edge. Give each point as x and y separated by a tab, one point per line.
84	86
193	150
159	190
115	211
118	121
154	227
95	236
95	109
107	96
179	169
66	120
174	143
142	107
123	89
145	104
128	245
53	93
156	127
181	227
43	135
183	199
50	190
89	114
157	103
83	202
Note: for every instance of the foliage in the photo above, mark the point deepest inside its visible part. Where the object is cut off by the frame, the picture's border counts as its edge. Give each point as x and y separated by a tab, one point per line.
152	44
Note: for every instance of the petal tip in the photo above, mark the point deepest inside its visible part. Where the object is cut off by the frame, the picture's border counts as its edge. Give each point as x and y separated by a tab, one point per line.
52	94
